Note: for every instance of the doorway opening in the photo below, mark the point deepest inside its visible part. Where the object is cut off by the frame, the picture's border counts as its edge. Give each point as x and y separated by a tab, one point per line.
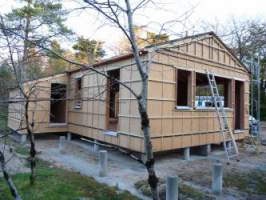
58	103
239	105
184	86
113	100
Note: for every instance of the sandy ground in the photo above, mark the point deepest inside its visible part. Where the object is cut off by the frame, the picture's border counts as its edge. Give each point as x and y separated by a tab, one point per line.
124	172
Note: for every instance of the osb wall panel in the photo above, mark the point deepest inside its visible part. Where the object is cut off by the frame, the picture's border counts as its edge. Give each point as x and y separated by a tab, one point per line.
125	141
90	119
161	107
91	115
15	110
133	143
44	128
219	59
40	105
182	141
172	128
129	119
186	122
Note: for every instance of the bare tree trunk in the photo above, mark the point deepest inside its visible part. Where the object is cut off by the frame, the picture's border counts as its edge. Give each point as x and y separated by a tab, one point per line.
20	81
142	103
145	126
141	98
32	157
11	185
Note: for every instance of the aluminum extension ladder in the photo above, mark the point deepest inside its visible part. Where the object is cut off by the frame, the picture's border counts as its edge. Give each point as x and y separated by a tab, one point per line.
228	136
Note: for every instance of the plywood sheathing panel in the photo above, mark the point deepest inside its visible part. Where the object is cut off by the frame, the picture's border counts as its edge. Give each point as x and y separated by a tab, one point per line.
182	141
170	128
95	111
89	120
41	108
189	127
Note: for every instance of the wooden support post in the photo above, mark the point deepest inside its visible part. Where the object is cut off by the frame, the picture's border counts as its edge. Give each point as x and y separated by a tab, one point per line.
95	147
103	163
62	140
187	153
172	188
209	148
217	178
69	137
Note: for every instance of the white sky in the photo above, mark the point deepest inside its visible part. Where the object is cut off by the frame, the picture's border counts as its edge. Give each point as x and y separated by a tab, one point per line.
86	23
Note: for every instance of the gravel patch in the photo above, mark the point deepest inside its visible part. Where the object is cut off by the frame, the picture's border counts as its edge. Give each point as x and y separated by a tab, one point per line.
124	172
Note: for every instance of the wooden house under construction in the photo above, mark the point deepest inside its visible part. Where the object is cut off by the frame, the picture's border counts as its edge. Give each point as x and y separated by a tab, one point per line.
179	101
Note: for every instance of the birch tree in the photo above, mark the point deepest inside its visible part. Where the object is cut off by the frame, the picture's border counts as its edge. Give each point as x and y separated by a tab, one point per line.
112	11
7	178
121	14
29	23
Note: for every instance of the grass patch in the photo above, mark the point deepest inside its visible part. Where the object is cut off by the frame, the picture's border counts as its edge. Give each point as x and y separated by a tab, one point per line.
3	122
143	187
253	182
23	150
189	192
185	191
54	183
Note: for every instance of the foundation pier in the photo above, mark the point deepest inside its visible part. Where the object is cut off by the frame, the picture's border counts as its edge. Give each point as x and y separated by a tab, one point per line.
217	178
103	163
187	153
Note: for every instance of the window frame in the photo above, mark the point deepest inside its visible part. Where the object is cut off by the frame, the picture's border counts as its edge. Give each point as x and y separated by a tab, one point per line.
226	87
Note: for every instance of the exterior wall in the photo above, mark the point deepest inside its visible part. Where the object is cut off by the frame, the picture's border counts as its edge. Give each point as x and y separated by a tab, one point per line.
91	121
15	110
173	128
41	107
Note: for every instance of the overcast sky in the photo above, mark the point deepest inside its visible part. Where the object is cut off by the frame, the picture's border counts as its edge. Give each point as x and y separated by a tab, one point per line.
190	12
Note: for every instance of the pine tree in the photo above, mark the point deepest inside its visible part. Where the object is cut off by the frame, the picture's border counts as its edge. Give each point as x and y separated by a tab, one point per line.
38	22
88	51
